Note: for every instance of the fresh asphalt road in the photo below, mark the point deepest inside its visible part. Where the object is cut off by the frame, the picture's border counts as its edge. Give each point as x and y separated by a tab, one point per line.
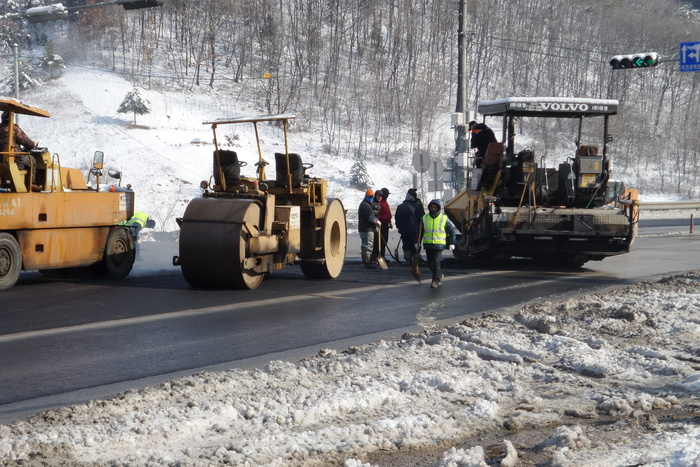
68	341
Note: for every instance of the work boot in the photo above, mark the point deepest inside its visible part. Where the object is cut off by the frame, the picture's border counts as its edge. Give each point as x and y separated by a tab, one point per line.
434	285
408	257
367	259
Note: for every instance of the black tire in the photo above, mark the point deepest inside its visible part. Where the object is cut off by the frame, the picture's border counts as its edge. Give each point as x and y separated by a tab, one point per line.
576	261
10	261
120	253
568	261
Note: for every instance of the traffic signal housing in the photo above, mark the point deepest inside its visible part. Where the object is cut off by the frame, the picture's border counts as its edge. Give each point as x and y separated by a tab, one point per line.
139	4
644	60
42	14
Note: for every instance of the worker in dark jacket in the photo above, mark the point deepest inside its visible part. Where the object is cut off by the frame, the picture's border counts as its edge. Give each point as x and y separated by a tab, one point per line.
367	227
419	204
20	143
408	218
481	137
437	233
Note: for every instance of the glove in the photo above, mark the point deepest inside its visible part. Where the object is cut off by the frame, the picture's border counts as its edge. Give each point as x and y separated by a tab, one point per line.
417	246
452	247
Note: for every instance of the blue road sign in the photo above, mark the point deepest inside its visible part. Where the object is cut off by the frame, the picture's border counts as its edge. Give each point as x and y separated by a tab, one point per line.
690	56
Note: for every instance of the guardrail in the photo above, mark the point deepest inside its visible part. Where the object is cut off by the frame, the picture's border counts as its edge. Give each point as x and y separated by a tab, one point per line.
669	205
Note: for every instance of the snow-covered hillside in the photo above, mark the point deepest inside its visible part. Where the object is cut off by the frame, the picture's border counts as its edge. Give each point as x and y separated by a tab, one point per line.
169	151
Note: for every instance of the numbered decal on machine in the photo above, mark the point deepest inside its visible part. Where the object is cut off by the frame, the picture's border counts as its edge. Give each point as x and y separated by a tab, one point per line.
123	202
8	206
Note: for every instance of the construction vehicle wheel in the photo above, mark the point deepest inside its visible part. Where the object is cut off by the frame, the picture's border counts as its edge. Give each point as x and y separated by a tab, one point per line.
330	262
576	261
120	253
562	260
214	245
10	261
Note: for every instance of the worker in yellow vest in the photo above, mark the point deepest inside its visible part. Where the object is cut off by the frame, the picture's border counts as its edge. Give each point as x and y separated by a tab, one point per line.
437	234
137	222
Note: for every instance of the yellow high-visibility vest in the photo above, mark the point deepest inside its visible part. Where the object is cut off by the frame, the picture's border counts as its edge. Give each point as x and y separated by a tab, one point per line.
434	230
138	220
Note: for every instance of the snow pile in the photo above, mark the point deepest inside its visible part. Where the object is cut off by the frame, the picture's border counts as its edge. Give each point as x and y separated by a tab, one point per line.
597	380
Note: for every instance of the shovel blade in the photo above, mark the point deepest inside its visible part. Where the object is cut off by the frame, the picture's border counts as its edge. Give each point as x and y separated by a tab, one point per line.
382	263
415	272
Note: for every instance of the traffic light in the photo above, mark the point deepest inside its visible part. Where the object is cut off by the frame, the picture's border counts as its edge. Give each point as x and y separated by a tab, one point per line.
138	4
619	62
42	14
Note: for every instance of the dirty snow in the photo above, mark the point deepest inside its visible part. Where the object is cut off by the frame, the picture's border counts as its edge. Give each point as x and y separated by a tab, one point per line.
600	380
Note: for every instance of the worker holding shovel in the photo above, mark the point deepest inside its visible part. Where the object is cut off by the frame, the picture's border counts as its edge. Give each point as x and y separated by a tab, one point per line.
367	227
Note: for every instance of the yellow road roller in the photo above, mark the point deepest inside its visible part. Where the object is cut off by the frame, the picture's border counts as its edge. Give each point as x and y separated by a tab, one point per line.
51	220
242	228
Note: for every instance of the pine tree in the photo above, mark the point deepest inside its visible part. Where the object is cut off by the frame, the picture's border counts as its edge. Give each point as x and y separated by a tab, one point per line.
28	77
133	102
359	178
51	62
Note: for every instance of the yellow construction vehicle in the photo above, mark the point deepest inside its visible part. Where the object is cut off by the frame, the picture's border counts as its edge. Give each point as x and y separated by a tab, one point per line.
242	228
514	206
50	219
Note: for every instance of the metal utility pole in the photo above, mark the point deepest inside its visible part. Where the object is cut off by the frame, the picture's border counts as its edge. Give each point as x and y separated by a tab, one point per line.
16	47
461	146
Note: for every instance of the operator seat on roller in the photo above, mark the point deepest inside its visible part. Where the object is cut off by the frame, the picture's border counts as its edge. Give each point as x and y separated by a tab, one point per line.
295	167
230	167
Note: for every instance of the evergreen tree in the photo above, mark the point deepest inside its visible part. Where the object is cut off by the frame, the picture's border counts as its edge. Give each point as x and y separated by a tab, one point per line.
133	102
359	178
51	62
27	78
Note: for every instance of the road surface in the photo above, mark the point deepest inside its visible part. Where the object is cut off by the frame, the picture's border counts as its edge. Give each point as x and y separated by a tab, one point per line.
72	340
